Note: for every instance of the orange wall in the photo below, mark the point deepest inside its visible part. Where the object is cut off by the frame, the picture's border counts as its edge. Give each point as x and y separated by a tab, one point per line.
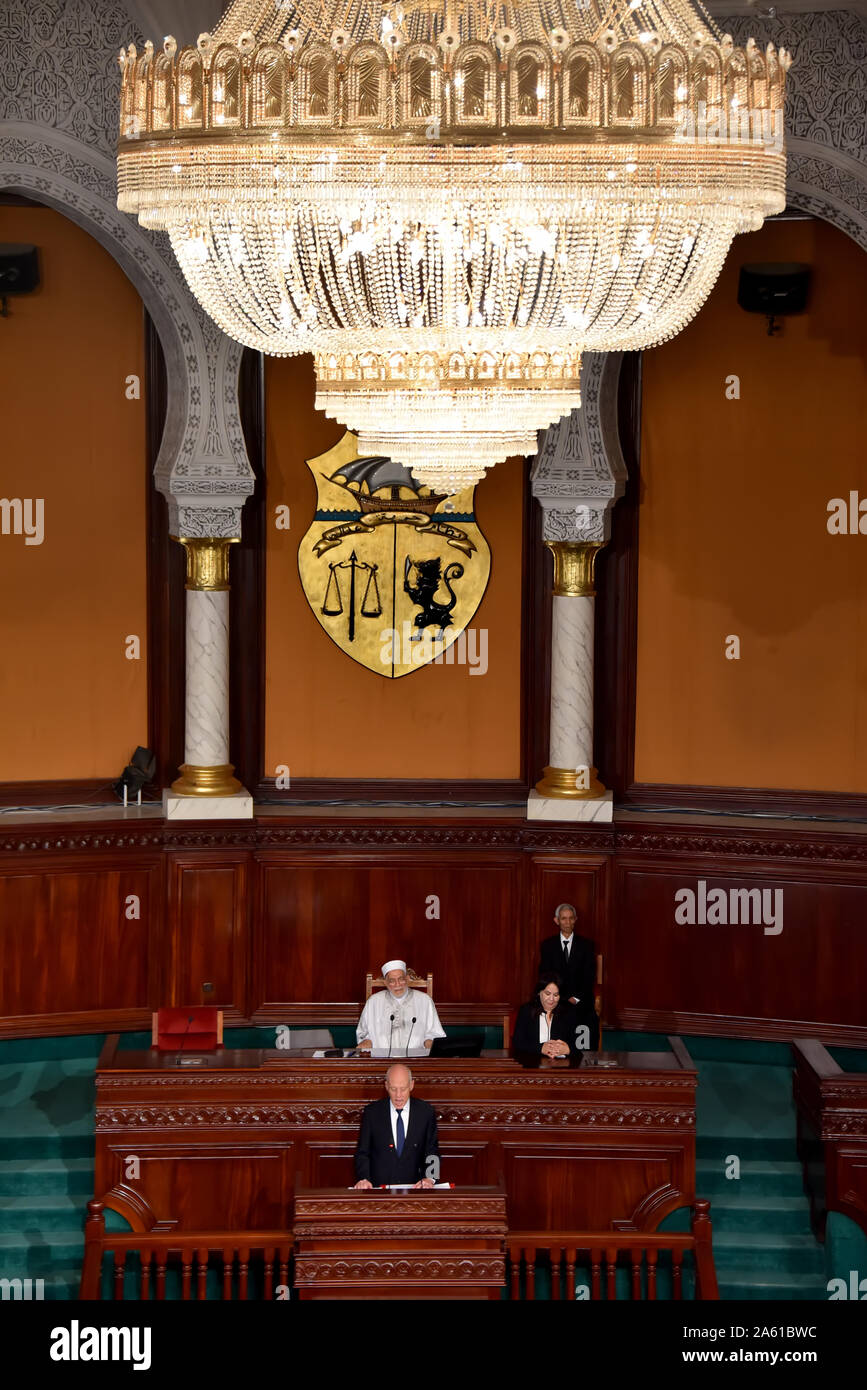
327	716
71	705
733	536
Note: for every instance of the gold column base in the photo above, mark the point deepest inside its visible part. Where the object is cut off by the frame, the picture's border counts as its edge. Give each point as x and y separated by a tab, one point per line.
563	781
206	781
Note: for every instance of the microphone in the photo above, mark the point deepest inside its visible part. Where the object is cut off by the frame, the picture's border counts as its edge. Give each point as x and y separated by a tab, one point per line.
184	1037
412	1025
390	1031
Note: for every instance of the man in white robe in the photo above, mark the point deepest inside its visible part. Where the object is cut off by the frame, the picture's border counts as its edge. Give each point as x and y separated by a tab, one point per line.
414	1022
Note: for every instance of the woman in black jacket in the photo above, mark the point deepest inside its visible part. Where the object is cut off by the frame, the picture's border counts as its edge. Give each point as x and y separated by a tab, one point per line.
545	1025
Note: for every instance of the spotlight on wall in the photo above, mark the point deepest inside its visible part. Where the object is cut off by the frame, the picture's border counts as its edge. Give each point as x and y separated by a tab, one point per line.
19	272
775	290
138	772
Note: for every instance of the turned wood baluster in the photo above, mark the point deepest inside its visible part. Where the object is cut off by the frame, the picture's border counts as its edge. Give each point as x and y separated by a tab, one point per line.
284	1265
611	1281
161	1271
595	1274
228	1261
119	1272
186	1273
636	1273
146	1273
515	1264
676	1261
570	1273
651	1273
202	1273
556	1255
244	1266
530	1257
269	1272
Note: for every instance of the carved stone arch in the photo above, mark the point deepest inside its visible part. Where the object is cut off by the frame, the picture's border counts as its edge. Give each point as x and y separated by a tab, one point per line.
829	184
202	466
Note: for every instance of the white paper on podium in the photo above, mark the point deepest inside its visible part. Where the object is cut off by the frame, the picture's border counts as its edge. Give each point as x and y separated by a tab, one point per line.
383	1054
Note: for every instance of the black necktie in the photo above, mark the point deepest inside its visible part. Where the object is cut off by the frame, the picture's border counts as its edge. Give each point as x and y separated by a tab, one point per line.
566	952
400	1134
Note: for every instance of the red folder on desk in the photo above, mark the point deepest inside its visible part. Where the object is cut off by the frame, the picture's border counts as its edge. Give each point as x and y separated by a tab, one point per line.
197	1029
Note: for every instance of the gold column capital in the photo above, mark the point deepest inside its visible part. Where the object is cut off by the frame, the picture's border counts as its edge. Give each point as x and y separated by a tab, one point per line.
574	567
207	560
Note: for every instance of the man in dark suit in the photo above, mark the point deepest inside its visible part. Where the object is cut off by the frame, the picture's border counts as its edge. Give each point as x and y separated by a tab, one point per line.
398	1138
573	958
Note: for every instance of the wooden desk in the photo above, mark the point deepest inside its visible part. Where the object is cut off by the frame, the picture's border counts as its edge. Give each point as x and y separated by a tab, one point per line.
400	1244
222	1145
832	1134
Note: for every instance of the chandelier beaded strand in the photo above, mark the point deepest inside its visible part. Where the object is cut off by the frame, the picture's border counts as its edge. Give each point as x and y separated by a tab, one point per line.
448	204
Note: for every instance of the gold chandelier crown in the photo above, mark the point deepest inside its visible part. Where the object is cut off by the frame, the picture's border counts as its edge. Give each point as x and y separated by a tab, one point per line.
448	204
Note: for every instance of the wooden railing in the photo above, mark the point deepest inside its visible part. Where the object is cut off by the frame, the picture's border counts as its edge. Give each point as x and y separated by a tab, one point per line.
608	1250
248	1264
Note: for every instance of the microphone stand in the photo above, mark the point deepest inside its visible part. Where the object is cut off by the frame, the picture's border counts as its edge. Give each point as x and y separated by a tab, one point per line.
409	1039
390	1031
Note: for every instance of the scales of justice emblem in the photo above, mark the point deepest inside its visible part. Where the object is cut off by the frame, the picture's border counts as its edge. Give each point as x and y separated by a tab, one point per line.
392	571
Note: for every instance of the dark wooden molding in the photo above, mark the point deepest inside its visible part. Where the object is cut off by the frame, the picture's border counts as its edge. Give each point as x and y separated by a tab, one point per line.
85	791
815	843
667	797
247	600
617	604
314	793
652	1020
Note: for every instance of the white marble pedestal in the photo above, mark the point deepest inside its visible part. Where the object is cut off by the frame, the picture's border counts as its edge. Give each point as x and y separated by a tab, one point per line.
238	806
576	808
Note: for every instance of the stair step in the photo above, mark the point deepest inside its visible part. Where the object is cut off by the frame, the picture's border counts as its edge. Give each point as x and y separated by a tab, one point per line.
30	1254
769	1284
45	1175
43	1213
768	1251
757	1175
742	1211
45	1146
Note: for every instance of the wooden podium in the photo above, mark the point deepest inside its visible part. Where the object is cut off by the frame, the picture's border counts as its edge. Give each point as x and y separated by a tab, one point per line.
401	1243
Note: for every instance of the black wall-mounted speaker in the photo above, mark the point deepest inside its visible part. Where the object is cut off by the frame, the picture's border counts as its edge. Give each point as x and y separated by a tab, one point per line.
774	289
19	269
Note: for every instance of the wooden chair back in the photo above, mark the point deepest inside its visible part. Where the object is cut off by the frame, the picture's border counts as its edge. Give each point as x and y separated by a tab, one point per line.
414	981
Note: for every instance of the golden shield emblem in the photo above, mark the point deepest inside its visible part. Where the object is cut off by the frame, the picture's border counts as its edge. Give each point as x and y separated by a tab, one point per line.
393	572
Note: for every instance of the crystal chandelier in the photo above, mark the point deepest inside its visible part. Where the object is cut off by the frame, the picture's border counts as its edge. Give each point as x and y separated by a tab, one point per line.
448	203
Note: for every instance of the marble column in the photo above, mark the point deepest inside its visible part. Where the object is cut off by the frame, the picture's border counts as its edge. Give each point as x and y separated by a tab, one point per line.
207	787
570	773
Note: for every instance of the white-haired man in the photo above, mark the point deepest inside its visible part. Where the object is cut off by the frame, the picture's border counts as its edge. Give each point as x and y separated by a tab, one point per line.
398	1018
573	958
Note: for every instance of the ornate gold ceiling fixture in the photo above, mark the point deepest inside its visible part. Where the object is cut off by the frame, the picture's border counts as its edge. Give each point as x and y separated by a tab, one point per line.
447	204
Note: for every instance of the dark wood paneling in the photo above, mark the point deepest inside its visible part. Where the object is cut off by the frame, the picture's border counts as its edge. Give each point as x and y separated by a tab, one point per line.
616	641
561	878
324	922
809	979
622	1139
69	955
284	916
185	1187
207	943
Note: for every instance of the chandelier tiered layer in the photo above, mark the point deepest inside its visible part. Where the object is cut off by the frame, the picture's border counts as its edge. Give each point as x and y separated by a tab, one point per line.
448	203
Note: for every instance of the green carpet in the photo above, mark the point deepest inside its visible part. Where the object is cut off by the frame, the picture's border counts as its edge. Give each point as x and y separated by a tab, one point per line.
763	1246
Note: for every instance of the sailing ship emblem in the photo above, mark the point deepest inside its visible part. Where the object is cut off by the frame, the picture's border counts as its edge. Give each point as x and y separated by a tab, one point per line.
392	571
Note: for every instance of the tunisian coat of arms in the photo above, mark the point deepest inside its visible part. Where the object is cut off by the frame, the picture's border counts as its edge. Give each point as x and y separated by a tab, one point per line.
392	571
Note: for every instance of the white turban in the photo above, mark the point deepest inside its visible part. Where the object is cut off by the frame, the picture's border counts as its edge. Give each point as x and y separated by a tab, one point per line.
393	965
